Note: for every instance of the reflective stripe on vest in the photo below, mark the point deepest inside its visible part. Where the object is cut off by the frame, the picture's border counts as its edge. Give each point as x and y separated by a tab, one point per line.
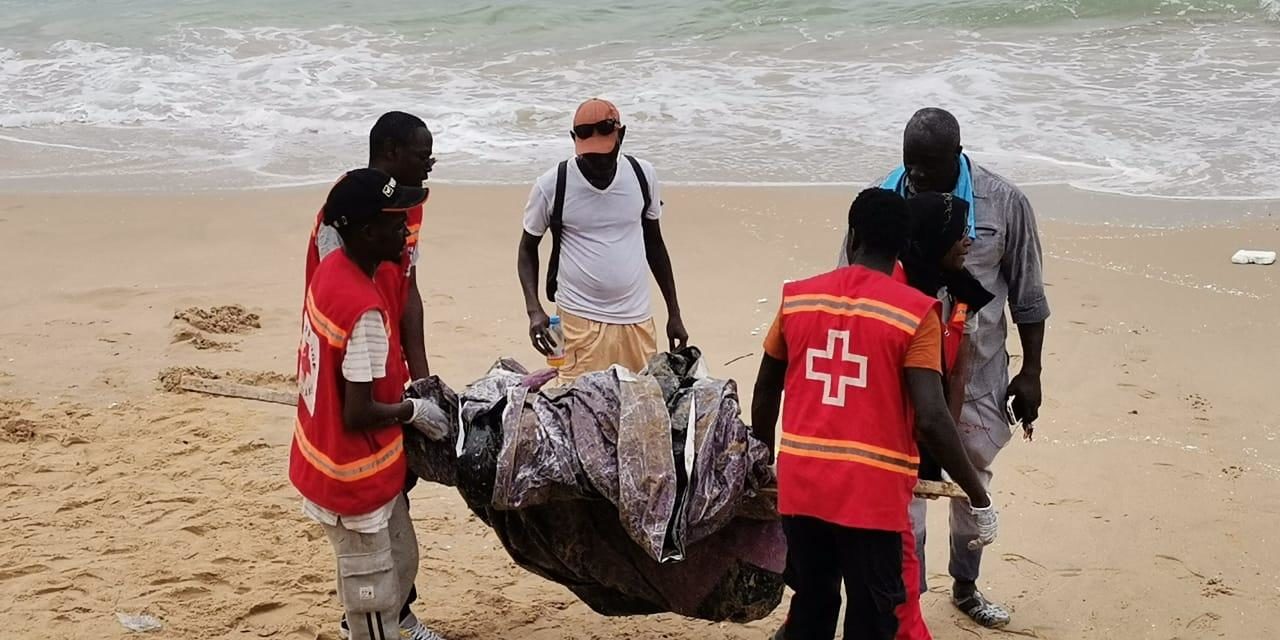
327	328
849	451
350	471
844	306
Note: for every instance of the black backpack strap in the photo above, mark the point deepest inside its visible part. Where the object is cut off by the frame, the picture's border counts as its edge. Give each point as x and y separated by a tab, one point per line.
557	229
644	185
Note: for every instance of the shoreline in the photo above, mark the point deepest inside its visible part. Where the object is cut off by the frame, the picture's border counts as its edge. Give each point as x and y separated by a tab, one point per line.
1052	201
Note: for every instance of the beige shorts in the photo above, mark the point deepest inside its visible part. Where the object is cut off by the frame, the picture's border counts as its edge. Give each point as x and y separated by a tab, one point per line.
596	346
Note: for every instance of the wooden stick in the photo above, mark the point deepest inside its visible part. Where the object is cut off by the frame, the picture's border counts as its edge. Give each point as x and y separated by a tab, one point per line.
938	489
233	390
923	488
764	506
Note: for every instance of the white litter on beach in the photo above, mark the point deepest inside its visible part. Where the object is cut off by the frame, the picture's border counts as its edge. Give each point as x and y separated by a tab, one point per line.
1246	256
139	623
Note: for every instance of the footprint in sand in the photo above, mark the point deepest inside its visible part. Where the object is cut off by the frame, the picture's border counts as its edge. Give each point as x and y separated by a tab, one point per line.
1144	393
200	341
1215	587
1198	403
195	530
269	618
188	592
1204	623
1037	477
10	573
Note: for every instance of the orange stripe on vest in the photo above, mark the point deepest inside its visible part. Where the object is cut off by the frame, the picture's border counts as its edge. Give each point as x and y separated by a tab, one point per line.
324	326
350	471
852	444
862	307
860	453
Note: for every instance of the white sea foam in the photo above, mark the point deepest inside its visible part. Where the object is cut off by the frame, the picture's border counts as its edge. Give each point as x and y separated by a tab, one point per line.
1162	107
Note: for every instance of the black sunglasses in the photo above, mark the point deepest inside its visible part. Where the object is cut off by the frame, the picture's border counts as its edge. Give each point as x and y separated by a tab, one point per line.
604	128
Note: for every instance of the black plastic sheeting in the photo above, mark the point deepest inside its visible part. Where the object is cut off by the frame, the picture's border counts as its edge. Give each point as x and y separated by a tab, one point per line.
623	487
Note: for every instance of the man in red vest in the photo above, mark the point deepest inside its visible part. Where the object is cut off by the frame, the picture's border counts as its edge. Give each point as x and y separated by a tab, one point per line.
400	145
347	457
858	355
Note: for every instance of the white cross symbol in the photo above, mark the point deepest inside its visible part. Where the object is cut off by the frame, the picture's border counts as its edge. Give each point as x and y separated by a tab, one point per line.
836	399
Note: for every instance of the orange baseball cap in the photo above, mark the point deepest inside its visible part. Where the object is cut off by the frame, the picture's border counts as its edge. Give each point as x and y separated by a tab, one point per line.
594	111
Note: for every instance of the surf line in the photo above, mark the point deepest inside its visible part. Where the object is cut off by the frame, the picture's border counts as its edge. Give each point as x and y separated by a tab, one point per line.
56	145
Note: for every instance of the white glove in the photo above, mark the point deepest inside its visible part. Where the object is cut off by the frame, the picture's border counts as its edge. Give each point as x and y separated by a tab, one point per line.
988	524
429	419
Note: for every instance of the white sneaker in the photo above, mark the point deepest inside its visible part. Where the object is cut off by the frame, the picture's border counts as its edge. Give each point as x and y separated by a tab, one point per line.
410	629
418	631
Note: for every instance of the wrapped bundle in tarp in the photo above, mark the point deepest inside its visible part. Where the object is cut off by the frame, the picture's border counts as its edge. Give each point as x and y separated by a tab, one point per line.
626	488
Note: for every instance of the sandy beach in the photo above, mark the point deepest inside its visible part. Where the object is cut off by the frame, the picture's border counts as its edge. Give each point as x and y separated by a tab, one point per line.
1146	507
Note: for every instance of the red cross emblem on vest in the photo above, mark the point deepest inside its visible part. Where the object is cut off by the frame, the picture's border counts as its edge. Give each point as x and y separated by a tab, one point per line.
827	366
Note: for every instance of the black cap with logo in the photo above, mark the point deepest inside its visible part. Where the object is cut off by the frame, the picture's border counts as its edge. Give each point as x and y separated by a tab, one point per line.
362	194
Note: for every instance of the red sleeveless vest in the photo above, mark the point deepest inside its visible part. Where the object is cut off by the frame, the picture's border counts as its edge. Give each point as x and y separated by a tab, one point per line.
348	472
391	278
848	453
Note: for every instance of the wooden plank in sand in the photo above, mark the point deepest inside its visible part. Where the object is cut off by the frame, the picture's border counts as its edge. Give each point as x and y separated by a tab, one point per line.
234	390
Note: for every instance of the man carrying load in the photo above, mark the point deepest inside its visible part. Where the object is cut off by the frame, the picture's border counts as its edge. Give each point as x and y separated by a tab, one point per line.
858	355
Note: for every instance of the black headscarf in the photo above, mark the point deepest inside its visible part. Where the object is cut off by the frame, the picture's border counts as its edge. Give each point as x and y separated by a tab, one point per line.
938	221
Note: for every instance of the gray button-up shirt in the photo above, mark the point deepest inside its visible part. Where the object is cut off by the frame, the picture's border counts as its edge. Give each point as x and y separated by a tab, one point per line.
1007	259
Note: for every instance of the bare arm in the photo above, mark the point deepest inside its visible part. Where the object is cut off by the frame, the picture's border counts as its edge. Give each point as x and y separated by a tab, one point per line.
527	267
937	431
412	333
1022	268
655	249
360	412
766	400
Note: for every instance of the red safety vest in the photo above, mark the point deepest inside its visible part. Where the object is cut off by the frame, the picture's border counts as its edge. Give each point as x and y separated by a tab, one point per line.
392	279
848	452
348	472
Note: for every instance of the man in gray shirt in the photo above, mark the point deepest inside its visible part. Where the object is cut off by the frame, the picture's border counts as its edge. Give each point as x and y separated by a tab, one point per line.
1006	258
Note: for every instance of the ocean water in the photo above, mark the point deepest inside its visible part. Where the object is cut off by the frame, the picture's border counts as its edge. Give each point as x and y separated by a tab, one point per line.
1154	97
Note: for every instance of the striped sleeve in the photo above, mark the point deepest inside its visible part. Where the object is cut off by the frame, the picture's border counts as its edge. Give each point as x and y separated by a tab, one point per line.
327	240
366	356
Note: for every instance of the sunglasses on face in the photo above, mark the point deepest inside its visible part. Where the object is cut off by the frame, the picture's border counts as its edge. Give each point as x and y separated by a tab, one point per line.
604	128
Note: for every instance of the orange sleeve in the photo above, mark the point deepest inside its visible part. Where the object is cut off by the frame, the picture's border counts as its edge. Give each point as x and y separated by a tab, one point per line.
925	351
774	344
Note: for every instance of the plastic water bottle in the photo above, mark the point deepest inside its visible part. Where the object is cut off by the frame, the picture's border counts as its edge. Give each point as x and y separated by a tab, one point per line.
556	331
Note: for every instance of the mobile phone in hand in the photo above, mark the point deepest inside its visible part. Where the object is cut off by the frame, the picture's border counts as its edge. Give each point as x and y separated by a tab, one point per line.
1011	414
